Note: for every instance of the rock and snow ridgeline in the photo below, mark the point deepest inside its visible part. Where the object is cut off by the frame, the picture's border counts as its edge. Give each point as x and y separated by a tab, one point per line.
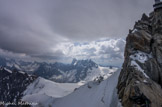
139	83
59	72
99	85
93	94
140	80
98	93
102	90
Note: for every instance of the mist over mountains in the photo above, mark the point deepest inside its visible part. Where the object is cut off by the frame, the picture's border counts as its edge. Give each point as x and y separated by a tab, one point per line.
103	51
78	70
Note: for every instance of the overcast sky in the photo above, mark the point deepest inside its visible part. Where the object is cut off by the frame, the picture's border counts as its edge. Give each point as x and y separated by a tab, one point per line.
47	28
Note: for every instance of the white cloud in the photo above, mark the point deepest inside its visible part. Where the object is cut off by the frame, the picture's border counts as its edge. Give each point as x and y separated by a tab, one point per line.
18	56
8	54
35	26
102	51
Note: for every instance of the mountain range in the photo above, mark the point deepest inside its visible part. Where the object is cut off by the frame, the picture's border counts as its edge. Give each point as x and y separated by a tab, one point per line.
78	70
19	88
83	83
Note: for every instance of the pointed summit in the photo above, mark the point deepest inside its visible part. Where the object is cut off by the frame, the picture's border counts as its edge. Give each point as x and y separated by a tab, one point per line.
158	4
74	61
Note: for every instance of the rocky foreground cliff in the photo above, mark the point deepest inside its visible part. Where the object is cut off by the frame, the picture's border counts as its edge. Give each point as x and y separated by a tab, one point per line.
140	81
12	85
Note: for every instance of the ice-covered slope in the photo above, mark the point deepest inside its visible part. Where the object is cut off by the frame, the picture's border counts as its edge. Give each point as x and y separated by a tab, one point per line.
43	91
97	93
105	72
89	74
93	94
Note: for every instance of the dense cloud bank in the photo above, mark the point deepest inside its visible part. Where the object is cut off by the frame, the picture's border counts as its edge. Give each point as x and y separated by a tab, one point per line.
37	27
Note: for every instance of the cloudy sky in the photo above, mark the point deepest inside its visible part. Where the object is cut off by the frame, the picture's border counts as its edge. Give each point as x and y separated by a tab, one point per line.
63	29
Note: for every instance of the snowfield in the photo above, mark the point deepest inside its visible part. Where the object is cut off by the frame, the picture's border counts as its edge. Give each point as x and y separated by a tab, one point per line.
92	94
43	91
91	74
105	72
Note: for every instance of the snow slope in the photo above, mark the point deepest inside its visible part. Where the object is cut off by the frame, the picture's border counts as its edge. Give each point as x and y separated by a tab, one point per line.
43	91
98	93
105	72
93	94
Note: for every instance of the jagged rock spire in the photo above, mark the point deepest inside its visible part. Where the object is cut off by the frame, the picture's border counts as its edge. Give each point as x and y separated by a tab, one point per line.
140	80
158	4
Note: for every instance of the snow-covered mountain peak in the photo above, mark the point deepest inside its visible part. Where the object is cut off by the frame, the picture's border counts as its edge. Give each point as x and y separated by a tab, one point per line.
85	63
74	62
44	91
92	94
50	88
84	77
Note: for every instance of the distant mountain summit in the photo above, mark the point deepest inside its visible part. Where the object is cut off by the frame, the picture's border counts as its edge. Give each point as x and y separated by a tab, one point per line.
140	80
87	63
74	61
76	71
18	87
14	64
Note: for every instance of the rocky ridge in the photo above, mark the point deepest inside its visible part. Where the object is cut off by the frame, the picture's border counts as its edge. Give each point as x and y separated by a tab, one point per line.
12	85
57	72
140	80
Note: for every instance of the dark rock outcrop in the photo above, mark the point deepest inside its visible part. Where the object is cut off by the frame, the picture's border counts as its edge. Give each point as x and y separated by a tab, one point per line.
140	81
12	85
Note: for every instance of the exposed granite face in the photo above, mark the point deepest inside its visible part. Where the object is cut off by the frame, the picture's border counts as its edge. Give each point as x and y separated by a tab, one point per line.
140	81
